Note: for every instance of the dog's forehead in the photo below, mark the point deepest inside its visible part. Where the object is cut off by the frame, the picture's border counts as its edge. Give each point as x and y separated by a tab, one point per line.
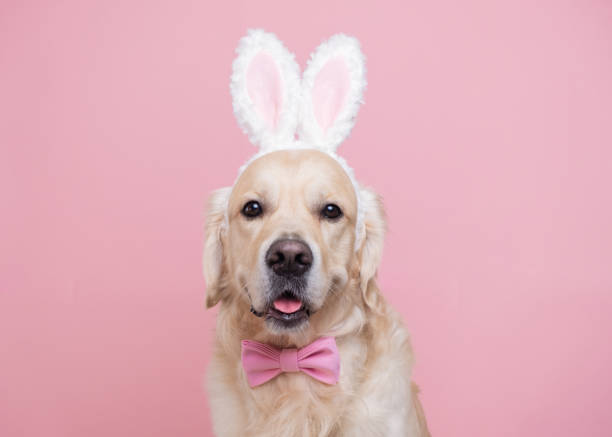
307	169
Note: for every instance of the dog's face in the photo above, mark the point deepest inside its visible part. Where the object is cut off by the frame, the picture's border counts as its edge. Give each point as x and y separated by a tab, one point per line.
291	234
289	240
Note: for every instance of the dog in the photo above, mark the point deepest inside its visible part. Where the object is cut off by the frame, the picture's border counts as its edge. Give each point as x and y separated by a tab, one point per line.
291	254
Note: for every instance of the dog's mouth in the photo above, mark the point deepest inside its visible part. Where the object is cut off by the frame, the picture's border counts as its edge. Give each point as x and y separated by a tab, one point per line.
288	310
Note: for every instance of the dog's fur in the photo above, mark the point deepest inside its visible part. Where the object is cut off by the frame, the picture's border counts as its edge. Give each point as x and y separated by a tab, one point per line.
375	395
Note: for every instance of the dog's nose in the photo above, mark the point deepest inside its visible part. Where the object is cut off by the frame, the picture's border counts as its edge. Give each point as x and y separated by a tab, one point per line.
289	257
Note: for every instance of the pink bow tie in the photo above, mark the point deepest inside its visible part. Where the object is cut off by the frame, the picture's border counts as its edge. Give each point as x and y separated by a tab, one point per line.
320	360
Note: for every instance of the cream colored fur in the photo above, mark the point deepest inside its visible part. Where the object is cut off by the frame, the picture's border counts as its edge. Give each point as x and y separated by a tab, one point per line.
375	395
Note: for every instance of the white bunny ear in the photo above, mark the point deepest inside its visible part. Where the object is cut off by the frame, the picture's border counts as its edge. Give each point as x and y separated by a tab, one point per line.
332	90
265	87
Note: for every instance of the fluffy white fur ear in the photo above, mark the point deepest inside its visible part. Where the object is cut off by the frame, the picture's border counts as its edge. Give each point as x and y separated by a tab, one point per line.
265	88
214	261
332	91
371	250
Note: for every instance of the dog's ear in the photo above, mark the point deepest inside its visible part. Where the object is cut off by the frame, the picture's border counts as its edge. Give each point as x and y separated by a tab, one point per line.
332	91
265	88
373	236
214	257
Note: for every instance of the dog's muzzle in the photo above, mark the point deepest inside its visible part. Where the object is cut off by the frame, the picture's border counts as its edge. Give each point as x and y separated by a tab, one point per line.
287	260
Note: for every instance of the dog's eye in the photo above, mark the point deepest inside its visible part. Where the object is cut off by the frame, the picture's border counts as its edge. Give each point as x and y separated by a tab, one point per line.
252	209
331	211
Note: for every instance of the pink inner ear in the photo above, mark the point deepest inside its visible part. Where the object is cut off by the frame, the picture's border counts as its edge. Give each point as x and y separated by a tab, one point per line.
329	93
264	88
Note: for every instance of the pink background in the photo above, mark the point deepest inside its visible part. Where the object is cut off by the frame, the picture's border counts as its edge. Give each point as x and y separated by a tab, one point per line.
487	128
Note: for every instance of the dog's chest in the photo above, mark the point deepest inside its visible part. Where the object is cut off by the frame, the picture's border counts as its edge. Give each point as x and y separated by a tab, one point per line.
295	405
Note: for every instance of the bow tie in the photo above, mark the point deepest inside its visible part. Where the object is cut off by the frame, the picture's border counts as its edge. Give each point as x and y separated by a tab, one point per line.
262	362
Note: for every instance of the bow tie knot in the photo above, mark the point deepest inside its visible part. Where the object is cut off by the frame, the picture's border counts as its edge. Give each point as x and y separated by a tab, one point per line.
289	360
319	359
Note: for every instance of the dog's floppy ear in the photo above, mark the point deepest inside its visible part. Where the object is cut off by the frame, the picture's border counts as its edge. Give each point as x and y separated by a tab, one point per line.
214	258
370	253
332	91
265	88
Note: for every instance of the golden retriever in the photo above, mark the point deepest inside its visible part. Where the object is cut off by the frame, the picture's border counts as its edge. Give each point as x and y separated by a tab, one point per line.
291	255
374	396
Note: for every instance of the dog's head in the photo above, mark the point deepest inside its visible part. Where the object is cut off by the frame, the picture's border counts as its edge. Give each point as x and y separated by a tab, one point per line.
283	239
295	228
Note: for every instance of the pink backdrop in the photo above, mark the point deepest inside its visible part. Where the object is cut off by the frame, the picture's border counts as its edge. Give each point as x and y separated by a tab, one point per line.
487	128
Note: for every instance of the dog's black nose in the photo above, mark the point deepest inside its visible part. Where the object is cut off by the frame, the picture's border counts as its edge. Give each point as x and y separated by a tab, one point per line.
289	257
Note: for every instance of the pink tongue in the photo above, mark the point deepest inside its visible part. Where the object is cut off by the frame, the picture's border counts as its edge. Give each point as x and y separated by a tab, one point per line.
287	306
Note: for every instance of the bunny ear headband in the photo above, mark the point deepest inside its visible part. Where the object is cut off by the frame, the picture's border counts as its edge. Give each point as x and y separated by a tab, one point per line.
272	104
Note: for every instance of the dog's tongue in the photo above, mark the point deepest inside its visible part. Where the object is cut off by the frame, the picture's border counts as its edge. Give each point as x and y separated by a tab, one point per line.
287	306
